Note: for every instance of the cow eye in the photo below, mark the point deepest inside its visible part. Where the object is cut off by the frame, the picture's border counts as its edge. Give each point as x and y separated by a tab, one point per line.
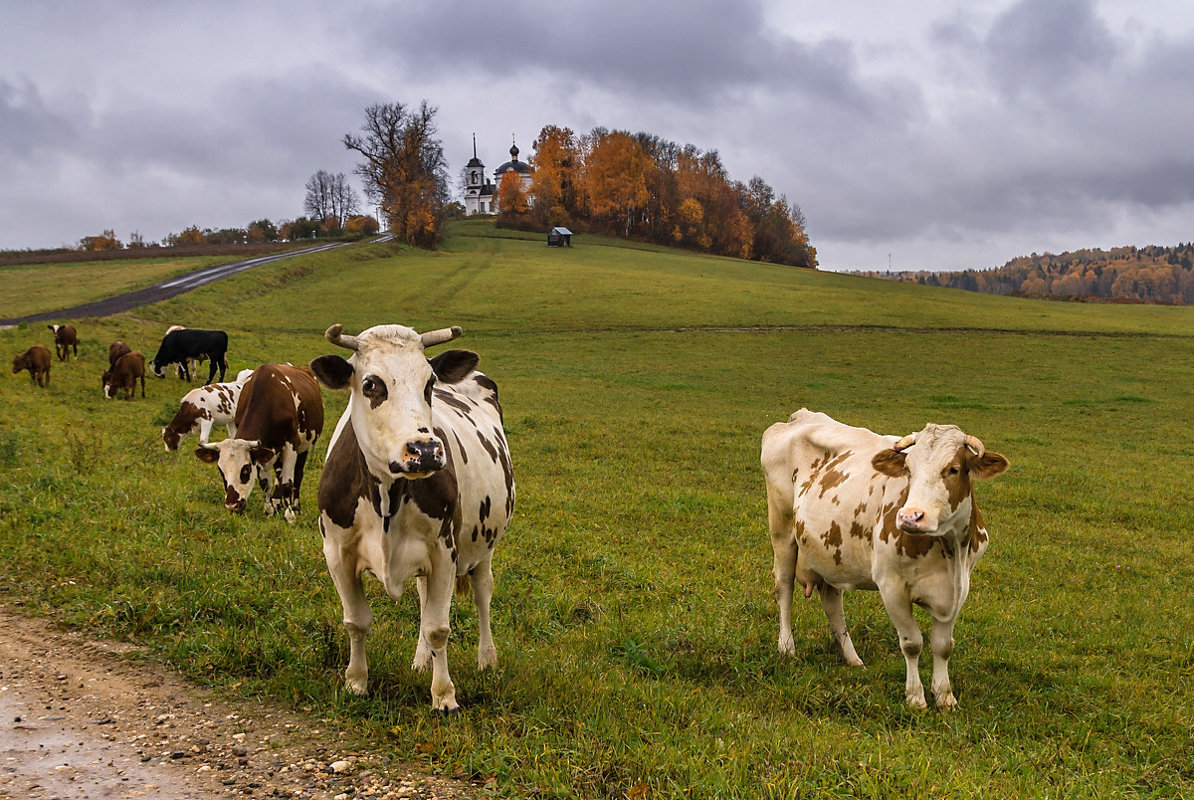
373	388
244	474
953	470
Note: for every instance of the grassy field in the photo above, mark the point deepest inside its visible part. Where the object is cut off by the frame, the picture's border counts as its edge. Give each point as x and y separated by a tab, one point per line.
31	288
633	612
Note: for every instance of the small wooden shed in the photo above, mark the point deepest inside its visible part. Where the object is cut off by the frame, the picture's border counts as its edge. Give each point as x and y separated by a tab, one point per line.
559	237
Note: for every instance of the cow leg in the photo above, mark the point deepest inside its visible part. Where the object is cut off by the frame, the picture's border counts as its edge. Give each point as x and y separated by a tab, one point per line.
422	660
205	431
211	371
434	628
481	579
284	489
899	610
831	602
358	617
783	544
266	480
941	639
300	465
142	386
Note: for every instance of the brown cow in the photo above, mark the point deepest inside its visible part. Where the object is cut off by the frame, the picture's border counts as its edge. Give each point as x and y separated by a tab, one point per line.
65	339
115	351
278	418
124	374
37	360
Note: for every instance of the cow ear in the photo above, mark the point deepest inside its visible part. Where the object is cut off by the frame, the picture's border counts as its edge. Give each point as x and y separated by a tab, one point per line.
451	366
262	455
206	455
333	371
988	465
892	463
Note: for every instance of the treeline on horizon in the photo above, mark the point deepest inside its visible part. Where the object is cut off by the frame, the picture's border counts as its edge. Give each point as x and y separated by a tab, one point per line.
642	187
1152	274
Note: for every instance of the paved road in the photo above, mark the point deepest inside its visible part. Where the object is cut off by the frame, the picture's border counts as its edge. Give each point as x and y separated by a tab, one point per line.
168	288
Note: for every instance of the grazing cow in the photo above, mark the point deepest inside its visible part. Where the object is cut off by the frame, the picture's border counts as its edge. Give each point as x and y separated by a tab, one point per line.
278	417
417	484
115	351
37	360
850	509
177	346
124	374
187	364
200	409
65	339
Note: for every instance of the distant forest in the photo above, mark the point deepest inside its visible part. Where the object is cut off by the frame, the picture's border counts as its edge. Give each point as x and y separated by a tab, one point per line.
1121	275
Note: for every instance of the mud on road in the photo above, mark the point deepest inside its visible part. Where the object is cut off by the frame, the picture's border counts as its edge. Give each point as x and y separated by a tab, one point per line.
82	720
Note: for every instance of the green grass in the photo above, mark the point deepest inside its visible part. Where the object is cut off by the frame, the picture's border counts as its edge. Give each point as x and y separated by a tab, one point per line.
31	288
633	614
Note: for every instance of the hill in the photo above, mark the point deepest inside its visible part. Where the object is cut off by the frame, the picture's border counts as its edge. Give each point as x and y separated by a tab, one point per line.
633	613
1124	274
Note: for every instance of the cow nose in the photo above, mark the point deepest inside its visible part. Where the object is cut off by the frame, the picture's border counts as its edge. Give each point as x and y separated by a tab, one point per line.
419	455
910	519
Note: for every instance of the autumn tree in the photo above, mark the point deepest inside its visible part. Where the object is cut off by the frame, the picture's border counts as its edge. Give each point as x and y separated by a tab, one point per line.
105	241
555	162
361	225
404	170
615	180
512	198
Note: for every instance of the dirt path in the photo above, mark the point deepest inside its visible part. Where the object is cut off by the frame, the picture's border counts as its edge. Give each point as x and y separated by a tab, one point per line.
80	719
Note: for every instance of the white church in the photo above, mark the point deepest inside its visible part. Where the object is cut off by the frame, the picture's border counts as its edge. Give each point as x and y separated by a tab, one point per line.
481	194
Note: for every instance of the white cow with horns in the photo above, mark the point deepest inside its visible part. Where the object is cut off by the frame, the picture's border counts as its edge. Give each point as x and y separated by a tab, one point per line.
850	509
417	484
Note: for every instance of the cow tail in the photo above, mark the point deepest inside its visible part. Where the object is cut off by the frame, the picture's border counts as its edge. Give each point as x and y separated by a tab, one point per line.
462	585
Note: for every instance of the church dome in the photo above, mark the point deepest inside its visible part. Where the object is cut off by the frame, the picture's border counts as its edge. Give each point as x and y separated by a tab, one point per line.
513	164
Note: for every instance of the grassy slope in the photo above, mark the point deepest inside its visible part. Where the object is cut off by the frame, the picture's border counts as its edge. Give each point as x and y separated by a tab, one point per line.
633	612
32	288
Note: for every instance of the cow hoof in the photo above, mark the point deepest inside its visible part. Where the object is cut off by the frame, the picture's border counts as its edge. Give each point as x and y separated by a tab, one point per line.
916	700
358	687
454	711
787	646
947	703
487	660
290	516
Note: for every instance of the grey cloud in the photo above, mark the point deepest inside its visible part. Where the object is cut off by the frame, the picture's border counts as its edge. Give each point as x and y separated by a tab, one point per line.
27	123
1042	46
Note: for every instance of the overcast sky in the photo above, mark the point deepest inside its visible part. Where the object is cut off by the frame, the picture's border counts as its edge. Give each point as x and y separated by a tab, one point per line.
941	134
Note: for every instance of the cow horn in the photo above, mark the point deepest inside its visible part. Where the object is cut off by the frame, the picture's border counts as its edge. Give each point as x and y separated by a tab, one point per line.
904	443
974	444
334	336
442	335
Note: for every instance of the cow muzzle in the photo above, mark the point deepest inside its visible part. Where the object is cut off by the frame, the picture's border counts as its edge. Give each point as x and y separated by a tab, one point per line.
419	457
915	520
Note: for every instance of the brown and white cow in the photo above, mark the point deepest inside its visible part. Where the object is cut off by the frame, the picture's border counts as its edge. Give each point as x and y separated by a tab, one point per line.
417	484
278	417
200	409
124	374
37	360
850	509
65	339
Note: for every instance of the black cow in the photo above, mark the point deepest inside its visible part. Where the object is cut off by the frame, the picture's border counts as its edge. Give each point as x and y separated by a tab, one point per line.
178	346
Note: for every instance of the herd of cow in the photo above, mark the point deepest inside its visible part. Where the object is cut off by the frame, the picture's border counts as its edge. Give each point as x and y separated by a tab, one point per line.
418	483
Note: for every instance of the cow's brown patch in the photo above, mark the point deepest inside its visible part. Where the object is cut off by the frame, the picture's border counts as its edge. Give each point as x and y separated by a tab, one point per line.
911	545
976	530
833	539
859	531
814	470
832	477
492	398
957	479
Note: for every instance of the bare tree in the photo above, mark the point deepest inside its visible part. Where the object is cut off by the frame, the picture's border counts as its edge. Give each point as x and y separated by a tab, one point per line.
404	170
331	196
